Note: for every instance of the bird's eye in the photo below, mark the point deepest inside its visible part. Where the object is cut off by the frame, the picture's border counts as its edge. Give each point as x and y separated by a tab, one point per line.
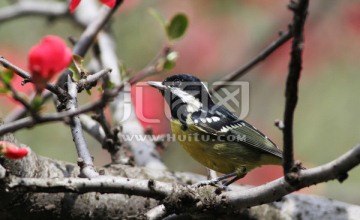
176	83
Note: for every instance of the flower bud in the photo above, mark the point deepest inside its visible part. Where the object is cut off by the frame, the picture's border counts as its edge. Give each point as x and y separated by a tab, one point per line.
11	151
75	3
48	58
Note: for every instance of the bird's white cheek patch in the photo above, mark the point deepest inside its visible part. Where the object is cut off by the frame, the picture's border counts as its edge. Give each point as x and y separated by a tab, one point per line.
193	104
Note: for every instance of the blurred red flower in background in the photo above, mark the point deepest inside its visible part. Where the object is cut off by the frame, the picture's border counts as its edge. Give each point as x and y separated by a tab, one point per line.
75	3
352	16
11	151
47	58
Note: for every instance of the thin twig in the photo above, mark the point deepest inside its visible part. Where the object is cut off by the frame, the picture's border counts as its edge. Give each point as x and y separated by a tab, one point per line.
88	37
111	141
82	45
154	67
59	92
15	94
284	37
101	119
90	80
291	91
20	112
93	128
29	122
25	8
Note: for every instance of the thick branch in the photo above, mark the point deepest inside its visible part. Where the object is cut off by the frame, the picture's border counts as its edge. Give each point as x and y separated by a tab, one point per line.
103	184
238	199
276	189
85	160
270	192
58	174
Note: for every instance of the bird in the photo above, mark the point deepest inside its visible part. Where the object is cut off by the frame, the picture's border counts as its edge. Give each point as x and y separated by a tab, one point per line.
211	134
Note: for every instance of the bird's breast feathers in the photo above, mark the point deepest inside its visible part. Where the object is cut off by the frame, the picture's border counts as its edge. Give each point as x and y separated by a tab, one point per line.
214	152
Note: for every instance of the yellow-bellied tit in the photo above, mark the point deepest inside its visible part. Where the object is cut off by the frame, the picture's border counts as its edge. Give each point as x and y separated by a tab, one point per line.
210	133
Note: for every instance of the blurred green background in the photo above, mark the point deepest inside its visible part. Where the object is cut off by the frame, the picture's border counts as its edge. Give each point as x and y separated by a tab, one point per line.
222	36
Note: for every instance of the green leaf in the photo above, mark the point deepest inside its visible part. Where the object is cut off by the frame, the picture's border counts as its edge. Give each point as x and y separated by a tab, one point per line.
170	61
36	103
177	26
100	89
158	17
88	91
168	65
110	85
7	75
77	67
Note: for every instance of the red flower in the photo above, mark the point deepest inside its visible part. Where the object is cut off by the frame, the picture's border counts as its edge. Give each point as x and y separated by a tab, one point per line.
10	151
47	58
75	3
109	3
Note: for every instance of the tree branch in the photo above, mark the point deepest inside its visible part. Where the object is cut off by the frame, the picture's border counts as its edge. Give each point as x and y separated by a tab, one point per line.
284	37
95	24
85	160
270	192
15	95
29	122
25	8
56	176
93	128
274	190
90	80
20	112
59	92
220	202
103	184
291	91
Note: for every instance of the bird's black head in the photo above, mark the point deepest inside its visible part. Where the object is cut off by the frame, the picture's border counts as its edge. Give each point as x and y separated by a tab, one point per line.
185	94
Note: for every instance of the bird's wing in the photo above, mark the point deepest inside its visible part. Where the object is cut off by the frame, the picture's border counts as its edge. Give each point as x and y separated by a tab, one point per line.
232	129
249	135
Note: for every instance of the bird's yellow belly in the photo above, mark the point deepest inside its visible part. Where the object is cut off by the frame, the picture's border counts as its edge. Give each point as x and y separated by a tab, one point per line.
219	156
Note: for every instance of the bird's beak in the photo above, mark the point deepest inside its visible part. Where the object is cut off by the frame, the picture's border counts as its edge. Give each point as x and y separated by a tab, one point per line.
157	85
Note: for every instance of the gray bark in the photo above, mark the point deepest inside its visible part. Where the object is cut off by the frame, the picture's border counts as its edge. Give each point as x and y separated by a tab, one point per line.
20	204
